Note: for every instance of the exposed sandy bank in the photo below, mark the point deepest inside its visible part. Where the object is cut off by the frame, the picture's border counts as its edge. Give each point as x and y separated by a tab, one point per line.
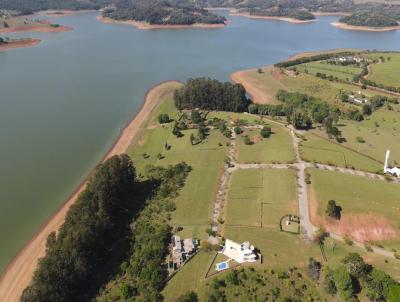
145	25
253	87
19	44
44	28
287	19
17	276
364	28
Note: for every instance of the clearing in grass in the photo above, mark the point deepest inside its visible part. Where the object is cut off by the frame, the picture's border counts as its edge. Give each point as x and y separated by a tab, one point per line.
370	210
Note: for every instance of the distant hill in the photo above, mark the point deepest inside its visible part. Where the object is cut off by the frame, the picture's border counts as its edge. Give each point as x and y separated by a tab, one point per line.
161	12
369	19
25	7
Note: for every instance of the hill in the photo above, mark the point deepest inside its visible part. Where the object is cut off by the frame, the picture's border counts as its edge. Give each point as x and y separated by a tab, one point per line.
161	12
369	19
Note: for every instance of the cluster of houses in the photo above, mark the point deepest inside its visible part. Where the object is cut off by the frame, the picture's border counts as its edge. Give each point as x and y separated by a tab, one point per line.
347	60
181	250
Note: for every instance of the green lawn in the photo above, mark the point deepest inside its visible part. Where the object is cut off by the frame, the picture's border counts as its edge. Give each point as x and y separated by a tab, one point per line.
260	197
381	131
316	149
278	148
357	195
194	204
386	73
190	278
342	72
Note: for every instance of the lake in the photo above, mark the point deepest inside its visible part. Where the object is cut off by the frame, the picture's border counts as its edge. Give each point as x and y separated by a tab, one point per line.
64	102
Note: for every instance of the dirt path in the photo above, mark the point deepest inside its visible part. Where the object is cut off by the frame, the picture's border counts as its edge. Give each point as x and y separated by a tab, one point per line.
19	272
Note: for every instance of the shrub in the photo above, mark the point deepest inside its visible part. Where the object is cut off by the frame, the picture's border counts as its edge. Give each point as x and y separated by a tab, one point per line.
266	132
163	118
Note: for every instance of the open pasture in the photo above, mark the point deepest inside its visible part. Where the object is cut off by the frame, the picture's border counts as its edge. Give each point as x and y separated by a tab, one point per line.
385	72
345	73
278	148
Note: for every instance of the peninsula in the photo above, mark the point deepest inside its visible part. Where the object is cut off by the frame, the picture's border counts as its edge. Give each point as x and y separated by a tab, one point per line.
8	44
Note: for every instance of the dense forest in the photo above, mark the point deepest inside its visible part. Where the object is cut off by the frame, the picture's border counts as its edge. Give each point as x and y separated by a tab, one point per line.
208	94
98	235
161	12
299	14
80	256
26	7
369	19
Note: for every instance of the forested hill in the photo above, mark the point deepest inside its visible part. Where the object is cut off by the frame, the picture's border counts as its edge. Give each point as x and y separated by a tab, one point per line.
304	9
26	7
369	19
162	12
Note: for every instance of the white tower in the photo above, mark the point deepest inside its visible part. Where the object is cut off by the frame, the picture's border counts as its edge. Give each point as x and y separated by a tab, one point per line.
385	168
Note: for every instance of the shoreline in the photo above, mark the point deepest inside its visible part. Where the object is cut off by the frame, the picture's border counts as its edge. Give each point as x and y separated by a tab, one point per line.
25	43
364	28
18	273
276	18
61	12
37	28
147	26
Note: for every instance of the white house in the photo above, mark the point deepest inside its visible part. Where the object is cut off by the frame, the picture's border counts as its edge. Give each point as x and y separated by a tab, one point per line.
394	171
240	252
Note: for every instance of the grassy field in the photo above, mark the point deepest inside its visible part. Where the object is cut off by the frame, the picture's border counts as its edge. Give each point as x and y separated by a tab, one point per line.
268	83
190	278
317	149
194	203
345	73
259	198
386	73
278	148
370	207
380	132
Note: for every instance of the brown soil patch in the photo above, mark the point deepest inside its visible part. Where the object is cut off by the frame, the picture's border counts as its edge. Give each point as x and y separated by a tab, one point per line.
277	74
364	227
17	276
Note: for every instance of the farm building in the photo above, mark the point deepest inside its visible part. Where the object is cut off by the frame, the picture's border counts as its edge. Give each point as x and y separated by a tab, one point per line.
181	250
240	252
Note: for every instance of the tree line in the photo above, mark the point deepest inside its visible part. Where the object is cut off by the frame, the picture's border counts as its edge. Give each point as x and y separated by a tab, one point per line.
208	94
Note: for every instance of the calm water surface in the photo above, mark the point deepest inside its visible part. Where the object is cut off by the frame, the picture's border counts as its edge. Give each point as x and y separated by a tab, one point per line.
63	102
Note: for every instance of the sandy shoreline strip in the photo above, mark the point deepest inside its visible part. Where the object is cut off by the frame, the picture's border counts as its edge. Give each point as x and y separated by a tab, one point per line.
19	44
287	19
18	274
145	25
364	28
37	28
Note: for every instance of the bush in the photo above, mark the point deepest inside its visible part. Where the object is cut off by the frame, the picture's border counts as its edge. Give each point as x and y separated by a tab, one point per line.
247	140
163	118
266	132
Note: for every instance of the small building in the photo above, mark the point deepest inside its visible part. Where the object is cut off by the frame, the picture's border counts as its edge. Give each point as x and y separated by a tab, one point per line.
182	250
240	252
359	99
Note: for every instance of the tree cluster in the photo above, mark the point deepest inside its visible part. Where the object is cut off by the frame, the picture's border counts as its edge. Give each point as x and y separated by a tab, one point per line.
79	254
208	94
161	12
369	19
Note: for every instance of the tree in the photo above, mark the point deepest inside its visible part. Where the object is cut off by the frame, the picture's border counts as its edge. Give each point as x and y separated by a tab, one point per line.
378	284
232	277
188	297
344	284
366	109
333	210
329	282
266	132
238	130
196	117
313	269
163	118
356	266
